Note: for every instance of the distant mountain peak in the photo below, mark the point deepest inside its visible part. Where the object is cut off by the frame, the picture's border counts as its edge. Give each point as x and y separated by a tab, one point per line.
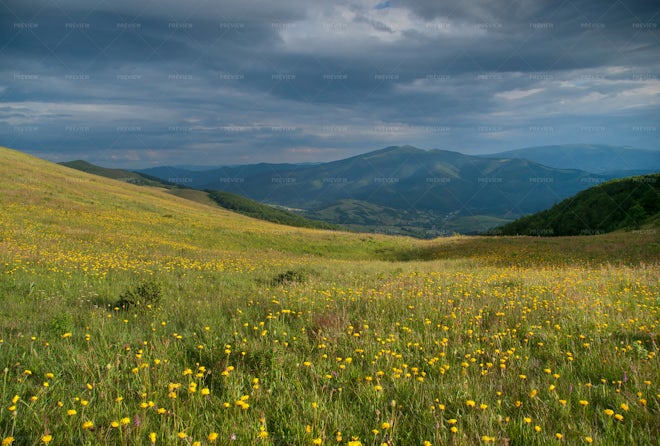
397	149
595	158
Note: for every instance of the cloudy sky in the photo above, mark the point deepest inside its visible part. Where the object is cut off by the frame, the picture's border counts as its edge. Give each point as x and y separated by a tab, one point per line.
137	83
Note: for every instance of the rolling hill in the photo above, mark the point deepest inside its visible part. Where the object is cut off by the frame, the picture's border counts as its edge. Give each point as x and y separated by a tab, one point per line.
116	174
441	191
52	214
264	212
617	204
59	217
225	200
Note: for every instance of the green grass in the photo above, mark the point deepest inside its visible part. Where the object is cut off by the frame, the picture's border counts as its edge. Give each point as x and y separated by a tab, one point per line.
528	329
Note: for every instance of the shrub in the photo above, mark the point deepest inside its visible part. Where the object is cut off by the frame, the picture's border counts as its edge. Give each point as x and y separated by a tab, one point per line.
290	276
142	296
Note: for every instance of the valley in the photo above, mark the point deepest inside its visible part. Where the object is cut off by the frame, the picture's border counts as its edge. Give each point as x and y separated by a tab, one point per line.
132	316
422	193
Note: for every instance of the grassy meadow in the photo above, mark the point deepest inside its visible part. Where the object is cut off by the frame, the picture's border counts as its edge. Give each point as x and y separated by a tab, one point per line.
130	316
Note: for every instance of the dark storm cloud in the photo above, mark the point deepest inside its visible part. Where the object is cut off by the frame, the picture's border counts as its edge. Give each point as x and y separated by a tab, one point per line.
145	82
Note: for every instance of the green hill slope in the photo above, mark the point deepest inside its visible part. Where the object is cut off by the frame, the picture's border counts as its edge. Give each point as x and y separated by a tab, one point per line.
116	174
254	209
233	202
617	204
52	214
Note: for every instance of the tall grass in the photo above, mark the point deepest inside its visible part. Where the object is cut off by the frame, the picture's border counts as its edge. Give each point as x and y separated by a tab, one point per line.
424	350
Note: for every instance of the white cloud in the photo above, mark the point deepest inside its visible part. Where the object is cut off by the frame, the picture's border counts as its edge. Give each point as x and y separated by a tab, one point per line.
31	112
516	94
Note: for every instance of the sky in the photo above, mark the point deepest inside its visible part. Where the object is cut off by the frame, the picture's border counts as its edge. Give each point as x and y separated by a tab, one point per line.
141	83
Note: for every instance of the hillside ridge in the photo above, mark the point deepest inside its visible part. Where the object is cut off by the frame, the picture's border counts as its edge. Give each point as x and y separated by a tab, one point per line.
232	202
616	204
51	212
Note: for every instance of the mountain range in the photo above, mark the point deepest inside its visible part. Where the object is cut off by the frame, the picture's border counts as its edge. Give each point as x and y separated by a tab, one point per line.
424	193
